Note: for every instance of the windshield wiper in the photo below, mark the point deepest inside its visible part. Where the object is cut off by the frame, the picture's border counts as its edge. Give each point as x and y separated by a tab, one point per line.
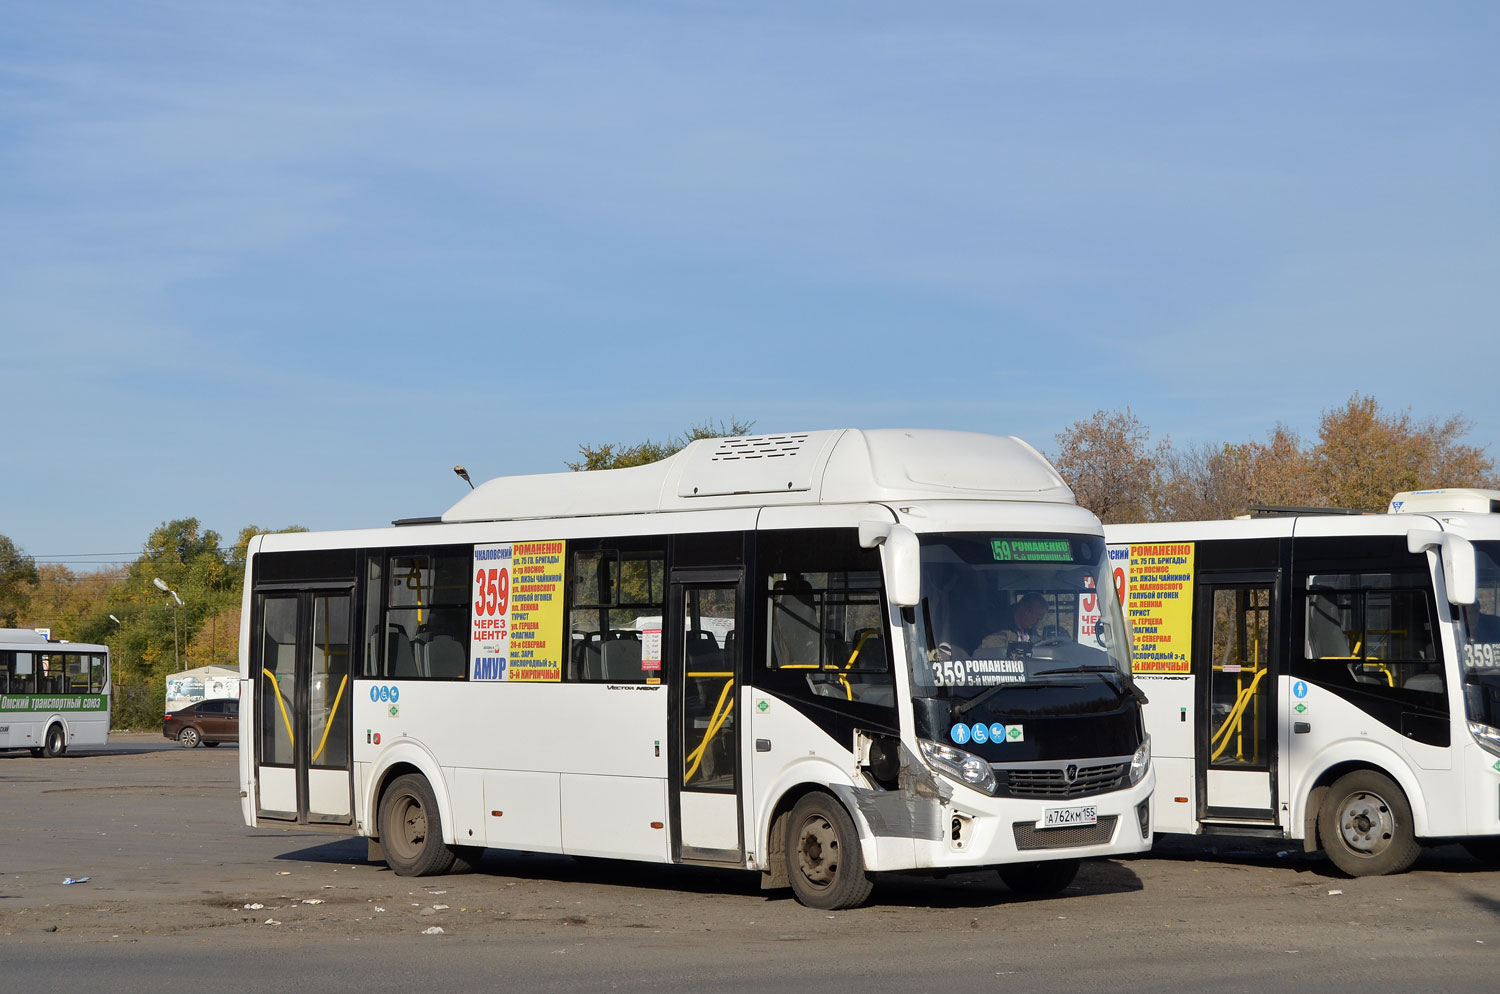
988	692
1079	669
984	695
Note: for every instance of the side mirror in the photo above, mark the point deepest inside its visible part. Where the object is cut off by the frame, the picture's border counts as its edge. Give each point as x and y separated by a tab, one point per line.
901	559
1460	574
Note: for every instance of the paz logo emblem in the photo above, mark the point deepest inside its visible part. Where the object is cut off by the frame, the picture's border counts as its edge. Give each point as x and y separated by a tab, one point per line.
1070	772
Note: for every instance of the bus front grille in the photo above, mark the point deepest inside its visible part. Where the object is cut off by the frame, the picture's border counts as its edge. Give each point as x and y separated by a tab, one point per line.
1028	836
1053	782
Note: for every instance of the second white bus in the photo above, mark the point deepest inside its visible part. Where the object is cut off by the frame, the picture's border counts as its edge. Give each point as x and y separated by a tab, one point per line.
1328	678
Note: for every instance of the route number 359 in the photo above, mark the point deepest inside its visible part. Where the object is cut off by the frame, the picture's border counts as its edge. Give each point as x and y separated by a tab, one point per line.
492	591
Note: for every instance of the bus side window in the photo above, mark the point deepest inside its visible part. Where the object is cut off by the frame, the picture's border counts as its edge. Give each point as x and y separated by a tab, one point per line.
425	633
616	603
1373	632
22	674
827	619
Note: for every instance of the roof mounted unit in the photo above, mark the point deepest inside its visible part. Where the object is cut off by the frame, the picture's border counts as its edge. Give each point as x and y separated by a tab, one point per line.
813	467
1454	500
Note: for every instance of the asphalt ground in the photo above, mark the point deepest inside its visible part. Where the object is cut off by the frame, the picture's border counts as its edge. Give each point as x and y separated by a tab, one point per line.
180	893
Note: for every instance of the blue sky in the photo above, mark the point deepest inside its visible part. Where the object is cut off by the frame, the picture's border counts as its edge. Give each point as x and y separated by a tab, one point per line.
274	262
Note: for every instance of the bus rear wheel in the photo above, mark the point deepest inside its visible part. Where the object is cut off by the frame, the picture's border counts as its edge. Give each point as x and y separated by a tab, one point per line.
56	742
1365	825
411	830
824	863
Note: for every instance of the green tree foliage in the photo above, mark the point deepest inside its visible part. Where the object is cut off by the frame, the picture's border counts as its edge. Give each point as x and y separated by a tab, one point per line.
612	455
68	603
18	575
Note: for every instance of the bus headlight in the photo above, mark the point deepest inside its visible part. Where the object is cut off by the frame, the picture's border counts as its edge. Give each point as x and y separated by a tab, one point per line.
1487	736
965	767
1140	762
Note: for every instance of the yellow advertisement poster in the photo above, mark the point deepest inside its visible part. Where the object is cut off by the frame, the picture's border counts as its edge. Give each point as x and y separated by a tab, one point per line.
1158	600
536	611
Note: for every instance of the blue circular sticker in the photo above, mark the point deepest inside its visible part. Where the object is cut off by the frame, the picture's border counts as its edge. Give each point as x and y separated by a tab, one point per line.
385	694
997	732
1300	688
981	733
374	693
395	694
960	733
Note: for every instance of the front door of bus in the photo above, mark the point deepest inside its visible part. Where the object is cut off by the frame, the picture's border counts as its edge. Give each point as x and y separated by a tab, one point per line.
300	650
1237	684
704	621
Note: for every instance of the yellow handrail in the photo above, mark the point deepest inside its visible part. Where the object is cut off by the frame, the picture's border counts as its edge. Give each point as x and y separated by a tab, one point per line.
328	725
715	722
413	581
843	679
1235	716
281	701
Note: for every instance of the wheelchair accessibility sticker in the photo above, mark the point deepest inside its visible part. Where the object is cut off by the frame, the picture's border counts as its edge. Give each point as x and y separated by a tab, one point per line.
384	694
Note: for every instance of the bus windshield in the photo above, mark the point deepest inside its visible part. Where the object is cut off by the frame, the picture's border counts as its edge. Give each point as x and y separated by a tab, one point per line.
1015	610
1479	639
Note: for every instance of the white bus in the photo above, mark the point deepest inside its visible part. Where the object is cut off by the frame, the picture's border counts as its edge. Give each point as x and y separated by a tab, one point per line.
53	695
1328	678
762	652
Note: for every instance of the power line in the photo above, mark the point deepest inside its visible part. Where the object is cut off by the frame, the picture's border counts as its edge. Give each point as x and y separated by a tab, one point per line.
75	556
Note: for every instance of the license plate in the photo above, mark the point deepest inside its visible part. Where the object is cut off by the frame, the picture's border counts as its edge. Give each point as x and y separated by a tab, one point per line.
1086	814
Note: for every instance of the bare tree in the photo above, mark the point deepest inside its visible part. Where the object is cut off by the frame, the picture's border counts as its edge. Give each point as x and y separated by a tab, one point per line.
1110	464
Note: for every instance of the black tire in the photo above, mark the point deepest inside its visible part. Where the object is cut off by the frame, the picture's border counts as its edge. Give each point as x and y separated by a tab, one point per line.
56	742
190	737
1365	825
823	859
1047	877
1486	849
411	830
211	745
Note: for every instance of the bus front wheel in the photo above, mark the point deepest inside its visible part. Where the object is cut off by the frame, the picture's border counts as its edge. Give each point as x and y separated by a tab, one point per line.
824	863
1365	825
57	742
411	830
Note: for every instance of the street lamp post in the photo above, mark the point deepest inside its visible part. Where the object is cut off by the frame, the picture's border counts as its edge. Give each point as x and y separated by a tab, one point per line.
162	586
